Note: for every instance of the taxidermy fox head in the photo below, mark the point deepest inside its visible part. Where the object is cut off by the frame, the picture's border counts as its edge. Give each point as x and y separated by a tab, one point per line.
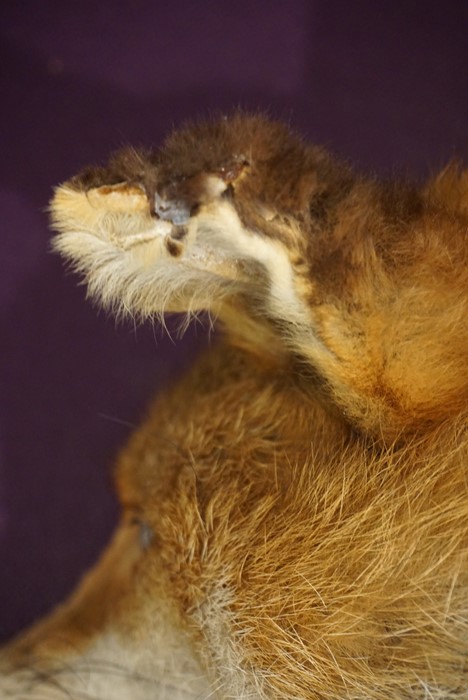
300	499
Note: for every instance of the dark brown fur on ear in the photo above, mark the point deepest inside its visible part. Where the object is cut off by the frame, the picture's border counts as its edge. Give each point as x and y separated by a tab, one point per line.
281	169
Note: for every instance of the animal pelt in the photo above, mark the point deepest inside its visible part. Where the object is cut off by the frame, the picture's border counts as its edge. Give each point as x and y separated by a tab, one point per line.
295	510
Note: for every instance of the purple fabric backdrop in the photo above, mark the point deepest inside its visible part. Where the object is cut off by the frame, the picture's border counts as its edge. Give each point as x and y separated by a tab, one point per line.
382	83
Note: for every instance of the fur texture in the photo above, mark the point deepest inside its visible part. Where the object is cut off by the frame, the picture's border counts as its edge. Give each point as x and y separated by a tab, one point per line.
301	495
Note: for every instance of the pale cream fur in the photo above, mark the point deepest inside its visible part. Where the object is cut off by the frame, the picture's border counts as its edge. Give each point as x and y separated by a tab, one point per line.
122	253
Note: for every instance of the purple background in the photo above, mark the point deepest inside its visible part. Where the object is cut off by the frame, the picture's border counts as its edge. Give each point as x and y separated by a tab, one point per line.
382	83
